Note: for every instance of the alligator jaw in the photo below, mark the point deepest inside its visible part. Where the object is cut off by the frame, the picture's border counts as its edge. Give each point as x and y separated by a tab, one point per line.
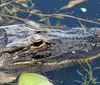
40	67
48	66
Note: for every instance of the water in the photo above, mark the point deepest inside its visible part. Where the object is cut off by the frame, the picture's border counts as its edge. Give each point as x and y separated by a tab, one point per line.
68	76
49	6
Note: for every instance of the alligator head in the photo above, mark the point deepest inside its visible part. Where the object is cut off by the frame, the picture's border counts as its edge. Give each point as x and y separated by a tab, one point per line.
28	48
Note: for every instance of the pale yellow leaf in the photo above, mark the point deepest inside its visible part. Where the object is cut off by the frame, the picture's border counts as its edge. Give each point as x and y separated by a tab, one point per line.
72	3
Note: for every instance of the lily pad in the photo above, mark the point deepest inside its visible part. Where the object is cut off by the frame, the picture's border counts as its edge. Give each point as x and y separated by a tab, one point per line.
33	79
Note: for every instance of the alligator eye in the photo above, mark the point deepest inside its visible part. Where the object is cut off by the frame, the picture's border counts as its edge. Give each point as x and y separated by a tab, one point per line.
38	43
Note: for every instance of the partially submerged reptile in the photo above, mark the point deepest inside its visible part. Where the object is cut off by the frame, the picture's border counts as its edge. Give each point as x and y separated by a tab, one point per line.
28	47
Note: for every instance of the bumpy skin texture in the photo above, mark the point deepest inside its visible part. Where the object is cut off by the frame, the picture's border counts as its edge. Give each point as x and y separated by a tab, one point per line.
3	38
26	48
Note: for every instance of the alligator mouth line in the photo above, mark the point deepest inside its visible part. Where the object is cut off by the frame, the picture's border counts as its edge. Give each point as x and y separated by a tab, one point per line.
56	62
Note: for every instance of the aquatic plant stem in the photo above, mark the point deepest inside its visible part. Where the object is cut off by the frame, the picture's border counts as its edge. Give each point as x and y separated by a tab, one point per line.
6	3
4	15
81	19
53	15
69	16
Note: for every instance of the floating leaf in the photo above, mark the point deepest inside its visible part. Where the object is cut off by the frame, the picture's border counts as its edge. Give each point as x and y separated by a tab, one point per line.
70	4
73	3
33	79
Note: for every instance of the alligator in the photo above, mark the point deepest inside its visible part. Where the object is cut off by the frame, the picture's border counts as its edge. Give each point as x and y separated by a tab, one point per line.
30	48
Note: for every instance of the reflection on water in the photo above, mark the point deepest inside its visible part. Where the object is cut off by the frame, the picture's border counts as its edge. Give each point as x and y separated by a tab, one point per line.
68	76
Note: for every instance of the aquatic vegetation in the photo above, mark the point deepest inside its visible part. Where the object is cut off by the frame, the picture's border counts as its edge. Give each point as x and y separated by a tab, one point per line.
11	9
33	79
87	78
71	4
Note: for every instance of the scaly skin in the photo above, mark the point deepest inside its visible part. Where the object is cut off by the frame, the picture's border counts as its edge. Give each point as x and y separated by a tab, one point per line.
31	48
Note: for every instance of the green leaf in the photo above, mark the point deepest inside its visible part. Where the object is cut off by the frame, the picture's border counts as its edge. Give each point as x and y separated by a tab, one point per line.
8	10
24	5
33	79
